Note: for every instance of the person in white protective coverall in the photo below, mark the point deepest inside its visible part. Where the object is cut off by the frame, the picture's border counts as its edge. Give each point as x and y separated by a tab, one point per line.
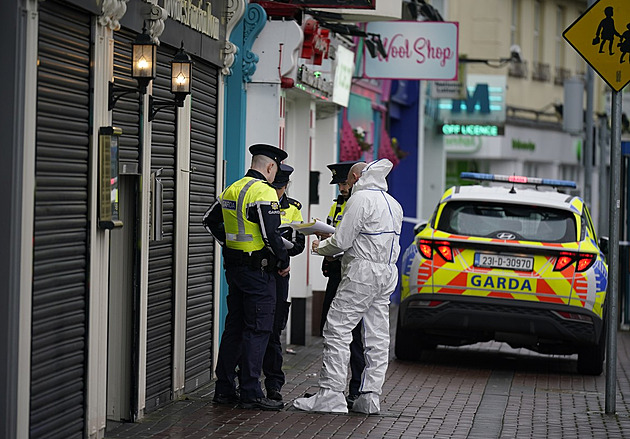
369	235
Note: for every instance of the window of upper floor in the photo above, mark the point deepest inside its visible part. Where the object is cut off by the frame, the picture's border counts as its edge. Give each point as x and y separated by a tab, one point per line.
538	27
562	73
560	43
514	24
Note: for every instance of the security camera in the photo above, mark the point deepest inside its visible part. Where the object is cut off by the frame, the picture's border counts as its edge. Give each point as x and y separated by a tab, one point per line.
515	53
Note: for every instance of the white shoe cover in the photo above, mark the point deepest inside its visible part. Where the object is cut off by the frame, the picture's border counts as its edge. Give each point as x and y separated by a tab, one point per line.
325	400
368	403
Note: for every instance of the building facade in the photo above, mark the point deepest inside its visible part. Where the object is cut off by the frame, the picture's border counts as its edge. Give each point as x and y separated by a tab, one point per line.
115	294
111	319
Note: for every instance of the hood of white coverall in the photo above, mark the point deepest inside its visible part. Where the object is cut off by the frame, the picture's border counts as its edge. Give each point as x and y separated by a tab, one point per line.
370	228
374	176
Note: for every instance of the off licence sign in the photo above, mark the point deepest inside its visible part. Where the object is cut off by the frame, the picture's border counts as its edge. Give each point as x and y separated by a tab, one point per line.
601	35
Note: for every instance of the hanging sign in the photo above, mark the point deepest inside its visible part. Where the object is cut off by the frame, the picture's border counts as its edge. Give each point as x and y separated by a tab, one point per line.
414	50
343	76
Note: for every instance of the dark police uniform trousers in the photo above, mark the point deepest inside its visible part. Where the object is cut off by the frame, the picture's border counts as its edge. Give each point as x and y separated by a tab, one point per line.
272	363
251	305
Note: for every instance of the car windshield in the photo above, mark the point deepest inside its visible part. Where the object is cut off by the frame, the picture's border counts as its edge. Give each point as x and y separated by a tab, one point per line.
527	223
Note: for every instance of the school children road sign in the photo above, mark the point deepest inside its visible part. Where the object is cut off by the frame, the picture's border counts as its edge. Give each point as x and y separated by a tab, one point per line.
601	35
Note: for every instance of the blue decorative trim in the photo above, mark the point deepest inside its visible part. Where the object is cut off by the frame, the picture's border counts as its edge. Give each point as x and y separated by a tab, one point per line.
255	20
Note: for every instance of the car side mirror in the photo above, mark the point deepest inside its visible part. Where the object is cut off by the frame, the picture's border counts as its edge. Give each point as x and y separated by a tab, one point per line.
603	245
418	227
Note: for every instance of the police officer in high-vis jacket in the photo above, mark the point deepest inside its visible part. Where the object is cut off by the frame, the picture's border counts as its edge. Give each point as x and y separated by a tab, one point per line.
290	213
331	268
245	220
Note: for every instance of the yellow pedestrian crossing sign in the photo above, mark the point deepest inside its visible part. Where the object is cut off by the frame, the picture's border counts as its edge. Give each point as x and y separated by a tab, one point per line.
601	35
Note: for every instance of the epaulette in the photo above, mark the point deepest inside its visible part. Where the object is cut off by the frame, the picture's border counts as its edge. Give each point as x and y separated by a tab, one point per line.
295	202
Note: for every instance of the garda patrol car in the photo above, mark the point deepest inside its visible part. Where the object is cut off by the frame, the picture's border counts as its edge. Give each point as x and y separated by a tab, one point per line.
518	264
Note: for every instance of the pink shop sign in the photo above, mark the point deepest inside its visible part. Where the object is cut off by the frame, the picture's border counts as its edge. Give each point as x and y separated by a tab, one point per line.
415	50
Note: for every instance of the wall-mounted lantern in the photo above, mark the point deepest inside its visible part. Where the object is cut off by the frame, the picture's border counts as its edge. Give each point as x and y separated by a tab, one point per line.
144	57
143	68
181	78
181	69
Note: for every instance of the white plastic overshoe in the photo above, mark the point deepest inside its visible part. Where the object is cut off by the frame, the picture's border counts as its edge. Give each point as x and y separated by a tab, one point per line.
325	400
367	403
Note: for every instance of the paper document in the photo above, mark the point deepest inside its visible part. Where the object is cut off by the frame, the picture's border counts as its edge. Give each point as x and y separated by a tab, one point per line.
312	227
287	244
337	256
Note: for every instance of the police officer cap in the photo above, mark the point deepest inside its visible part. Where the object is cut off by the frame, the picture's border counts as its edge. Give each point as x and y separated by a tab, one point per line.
270	151
340	171
282	176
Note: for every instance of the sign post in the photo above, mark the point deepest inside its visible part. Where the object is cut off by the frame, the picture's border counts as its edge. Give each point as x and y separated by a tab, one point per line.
599	36
613	252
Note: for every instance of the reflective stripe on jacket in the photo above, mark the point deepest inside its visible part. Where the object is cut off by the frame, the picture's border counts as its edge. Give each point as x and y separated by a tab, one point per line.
291	213
336	212
240	232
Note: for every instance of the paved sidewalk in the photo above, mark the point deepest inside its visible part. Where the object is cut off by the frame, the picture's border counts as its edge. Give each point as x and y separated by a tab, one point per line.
483	391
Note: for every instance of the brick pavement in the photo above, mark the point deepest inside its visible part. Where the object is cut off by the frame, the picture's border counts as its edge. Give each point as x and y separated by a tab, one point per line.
484	391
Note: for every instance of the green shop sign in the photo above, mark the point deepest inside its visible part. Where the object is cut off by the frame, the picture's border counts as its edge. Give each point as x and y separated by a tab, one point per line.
518	144
462	144
456	129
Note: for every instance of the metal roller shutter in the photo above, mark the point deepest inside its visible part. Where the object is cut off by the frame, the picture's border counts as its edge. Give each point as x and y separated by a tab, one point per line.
60	256
161	261
126	113
203	161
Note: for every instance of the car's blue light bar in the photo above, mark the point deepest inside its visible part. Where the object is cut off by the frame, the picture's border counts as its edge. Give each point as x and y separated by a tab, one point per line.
518	179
